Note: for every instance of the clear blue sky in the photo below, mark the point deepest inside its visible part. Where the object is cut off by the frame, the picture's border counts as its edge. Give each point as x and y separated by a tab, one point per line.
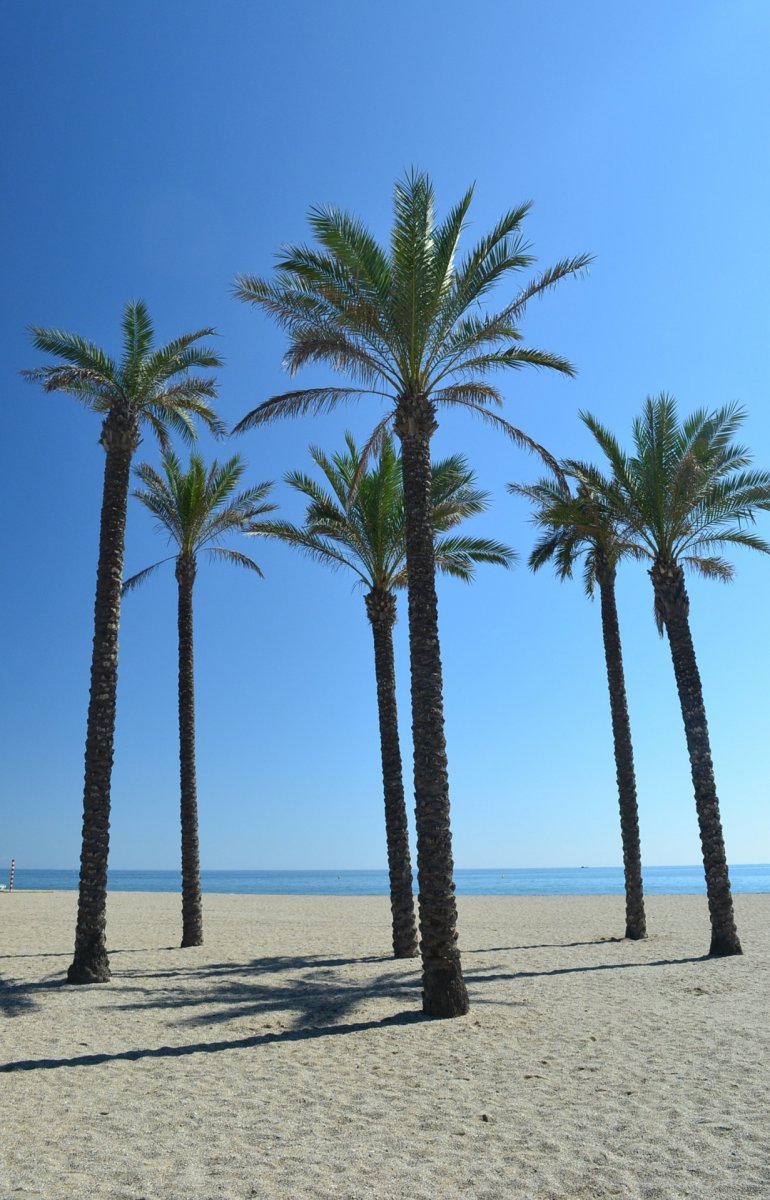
155	150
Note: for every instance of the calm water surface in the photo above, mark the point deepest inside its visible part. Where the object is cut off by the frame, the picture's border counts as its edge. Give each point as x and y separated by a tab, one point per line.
542	881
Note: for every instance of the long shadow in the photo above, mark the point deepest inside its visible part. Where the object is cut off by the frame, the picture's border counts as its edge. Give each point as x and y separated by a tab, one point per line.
602	941
658	962
264	1039
110	953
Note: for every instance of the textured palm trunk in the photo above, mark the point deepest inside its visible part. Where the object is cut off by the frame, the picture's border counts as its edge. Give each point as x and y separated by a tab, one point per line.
90	964
381	610
636	926
192	907
672	607
444	993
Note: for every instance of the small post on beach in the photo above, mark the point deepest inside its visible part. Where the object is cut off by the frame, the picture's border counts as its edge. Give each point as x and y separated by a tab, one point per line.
13	872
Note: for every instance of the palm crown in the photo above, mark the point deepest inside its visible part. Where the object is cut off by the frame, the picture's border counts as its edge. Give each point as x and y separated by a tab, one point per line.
360	522
405	321
686	492
149	384
197	508
575	525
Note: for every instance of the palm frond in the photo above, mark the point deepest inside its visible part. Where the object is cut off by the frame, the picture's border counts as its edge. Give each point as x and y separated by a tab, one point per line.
546	281
90	387
459	555
710	568
373	445
75	350
315	545
138	336
223	554
517	436
294	404
134	581
154	385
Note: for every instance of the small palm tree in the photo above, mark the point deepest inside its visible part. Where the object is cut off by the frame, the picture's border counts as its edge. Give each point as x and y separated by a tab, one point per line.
406	324
153	387
580	526
682	496
360	525
196	509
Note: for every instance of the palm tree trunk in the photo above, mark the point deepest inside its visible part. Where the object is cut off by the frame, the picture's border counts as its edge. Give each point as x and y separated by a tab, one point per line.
90	963
636	926
444	993
192	907
672	608
381	610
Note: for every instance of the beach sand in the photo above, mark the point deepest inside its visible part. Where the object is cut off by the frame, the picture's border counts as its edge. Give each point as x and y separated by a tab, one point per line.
287	1057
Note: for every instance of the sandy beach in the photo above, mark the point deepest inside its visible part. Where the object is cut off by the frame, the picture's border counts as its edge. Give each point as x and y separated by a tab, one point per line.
287	1057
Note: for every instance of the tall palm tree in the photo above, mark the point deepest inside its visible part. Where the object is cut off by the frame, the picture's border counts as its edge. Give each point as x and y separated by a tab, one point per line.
407	324
150	386
682	496
360	525
578	526
196	509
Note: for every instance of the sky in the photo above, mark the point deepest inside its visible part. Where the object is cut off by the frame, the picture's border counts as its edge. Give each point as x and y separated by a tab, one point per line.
154	151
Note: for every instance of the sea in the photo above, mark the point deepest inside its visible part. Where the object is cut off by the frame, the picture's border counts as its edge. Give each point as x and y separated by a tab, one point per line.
503	881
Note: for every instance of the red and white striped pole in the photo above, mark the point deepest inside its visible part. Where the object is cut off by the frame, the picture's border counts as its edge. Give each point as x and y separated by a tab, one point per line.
13	872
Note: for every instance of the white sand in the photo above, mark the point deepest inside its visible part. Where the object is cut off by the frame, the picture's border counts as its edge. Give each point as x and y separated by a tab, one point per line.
271	1062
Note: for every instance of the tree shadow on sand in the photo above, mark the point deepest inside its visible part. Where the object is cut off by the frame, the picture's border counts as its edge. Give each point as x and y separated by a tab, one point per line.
246	1043
16	999
307	989
306	997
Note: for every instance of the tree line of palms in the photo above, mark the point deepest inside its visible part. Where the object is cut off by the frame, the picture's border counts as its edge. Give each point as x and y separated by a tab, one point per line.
408	324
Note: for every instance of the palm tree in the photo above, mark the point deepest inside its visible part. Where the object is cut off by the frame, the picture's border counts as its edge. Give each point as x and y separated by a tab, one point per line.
682	496
361	526
196	509
580	525
406	325
149	386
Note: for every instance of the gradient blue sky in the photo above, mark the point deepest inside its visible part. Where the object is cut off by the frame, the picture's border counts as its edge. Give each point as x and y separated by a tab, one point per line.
155	150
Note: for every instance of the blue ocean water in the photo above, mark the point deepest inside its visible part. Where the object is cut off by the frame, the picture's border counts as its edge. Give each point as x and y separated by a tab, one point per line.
518	881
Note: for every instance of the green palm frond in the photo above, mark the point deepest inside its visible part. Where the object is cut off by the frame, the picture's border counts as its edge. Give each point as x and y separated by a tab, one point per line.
223	554
315	545
687	489
710	568
198	506
355	518
152	385
293	404
373	445
75	350
575	526
517	436
474	390
178	356
91	388
135	581
404	320
138	336
547	280
459	555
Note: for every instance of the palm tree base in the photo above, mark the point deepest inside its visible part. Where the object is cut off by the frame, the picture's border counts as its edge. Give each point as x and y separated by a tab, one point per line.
190	941
443	989
723	946
95	971
406	951
634	934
